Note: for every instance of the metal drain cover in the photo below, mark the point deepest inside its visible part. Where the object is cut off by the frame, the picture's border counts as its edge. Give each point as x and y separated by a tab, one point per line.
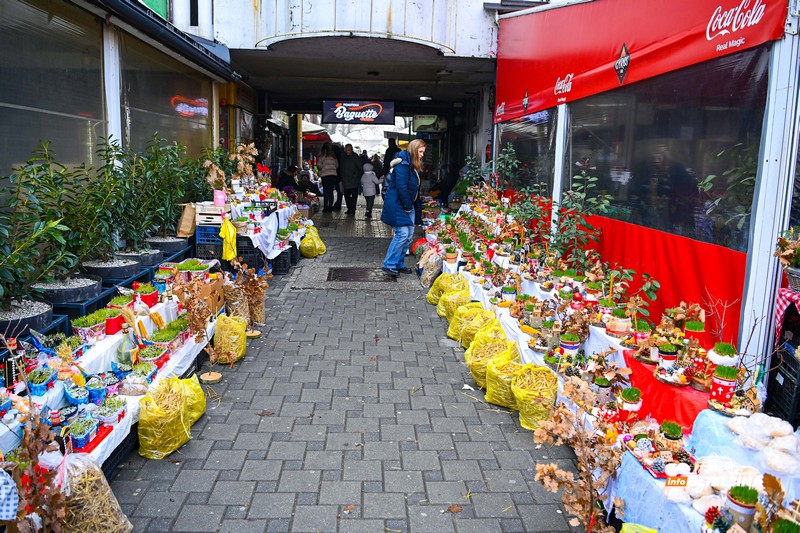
359	274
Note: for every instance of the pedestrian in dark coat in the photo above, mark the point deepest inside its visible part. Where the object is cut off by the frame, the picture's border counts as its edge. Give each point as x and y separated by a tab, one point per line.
350	169
402	190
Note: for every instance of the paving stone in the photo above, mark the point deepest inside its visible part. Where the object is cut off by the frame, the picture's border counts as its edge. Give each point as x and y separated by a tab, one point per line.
323	460
358	470
311	519
445	492
224	460
478	525
233	492
277	505
505	481
384	506
493	505
435	441
193	481
340	492
430	519
421	460
199	518
355	525
243	526
287	450
381	450
403	481
155	504
299	481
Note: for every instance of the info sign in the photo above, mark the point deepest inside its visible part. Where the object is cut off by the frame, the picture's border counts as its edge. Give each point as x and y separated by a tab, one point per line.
357	112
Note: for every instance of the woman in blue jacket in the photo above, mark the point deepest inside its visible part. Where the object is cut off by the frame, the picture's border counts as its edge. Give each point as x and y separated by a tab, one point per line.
402	189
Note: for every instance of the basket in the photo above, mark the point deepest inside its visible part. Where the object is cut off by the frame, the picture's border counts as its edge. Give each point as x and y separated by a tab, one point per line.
81	441
793	275
117	372
97	395
208	235
73	399
40	389
294	253
282	263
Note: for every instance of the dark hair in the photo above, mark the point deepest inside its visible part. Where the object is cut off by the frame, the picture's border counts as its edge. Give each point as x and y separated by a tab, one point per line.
291	168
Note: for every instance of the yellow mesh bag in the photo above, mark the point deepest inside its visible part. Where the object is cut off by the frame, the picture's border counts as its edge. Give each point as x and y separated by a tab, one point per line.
471	327
195	398
535	389
231	338
482	353
451	301
499	375
462	315
439	287
163	425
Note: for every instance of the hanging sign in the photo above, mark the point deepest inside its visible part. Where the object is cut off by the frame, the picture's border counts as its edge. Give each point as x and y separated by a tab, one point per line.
357	112
557	55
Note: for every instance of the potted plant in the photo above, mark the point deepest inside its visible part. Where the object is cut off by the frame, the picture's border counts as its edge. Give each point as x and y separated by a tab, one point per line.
92	327
114	319
110	410
723	354
120	301
695	329
509	293
603	389
671	436
155	353
631	399
283	234
467	250
450	254
741	502
190	268
570	343
641	330
147	293
594	288
723	383
40	379
668	354
144	370
97	389
170	338
82	430
619	323
606	306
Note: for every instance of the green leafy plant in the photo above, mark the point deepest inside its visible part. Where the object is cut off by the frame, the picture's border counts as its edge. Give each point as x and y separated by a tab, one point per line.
167	166
782	525
151	352
569	337
138	210
92	319
121	300
725	349
695	325
671	429
743	494
143	369
192	265
594	285
726	372
602	382
619	313
667	348
548	324
631	395
605	302
81	426
40	375
145	288
642	326
508	290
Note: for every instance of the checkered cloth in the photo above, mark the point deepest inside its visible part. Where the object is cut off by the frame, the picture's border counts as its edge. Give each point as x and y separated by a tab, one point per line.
9	497
785	297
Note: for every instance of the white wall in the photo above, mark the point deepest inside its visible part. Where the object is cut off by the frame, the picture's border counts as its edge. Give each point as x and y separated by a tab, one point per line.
456	27
205	24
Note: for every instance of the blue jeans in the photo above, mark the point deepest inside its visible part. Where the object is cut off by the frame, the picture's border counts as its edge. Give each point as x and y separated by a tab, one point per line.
396	254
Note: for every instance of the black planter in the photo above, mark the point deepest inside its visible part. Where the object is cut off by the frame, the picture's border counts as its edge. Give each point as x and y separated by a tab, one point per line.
78	294
169	246
150	259
20	327
114	272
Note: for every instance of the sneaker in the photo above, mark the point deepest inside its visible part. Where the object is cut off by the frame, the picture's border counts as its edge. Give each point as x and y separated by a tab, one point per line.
391	271
368	215
405	270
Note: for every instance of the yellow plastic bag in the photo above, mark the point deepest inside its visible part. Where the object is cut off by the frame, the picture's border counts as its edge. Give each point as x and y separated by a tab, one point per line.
535	389
163	427
628	527
499	375
479	355
464	313
231	338
308	248
228	233
439	287
195	398
472	326
451	301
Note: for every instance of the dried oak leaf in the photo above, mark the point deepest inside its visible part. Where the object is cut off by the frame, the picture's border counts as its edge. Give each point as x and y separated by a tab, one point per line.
455	508
265	413
349	508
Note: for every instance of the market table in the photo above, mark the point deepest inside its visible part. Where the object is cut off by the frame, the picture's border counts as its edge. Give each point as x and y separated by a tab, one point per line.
662	401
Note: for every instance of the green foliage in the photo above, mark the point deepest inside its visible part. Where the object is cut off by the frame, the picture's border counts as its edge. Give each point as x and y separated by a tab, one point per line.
168	170
121	300
695	325
548	324
531	210
726	372
506	165
642	326
140	208
151	352
191	265
782	525
667	348
725	349
92	319
81	426
607	303
569	337
631	395
40	375
619	313
743	494
145	288
671	429
602	382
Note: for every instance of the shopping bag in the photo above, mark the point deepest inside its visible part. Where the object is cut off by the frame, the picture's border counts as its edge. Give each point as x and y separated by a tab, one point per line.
186	225
231	338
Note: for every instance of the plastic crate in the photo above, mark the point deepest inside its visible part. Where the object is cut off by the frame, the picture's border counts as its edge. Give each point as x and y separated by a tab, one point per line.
282	263
783	389
208	235
208	251
294	252
250	255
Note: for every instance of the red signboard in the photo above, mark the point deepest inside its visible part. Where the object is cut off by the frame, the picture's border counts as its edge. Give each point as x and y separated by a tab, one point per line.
558	55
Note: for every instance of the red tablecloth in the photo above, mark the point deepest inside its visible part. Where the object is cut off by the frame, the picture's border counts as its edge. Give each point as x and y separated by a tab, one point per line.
662	401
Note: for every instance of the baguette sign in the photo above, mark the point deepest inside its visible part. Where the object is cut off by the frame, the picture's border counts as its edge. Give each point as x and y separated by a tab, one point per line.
357	112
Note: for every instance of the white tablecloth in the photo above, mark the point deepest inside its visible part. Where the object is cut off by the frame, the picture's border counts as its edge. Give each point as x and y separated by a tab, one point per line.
265	240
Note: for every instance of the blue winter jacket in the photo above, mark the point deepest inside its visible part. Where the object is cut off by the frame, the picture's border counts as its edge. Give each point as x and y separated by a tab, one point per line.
402	187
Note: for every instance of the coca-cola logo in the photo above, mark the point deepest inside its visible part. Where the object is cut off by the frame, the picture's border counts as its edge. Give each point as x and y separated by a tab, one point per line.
727	21
564	86
622	63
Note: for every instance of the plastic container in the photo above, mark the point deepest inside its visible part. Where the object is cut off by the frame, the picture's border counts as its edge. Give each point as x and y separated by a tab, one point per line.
73	399
207	235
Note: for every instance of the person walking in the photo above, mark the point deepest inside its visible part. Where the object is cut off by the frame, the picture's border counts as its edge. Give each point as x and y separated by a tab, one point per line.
328	167
369	183
350	169
402	191
377	167
389	154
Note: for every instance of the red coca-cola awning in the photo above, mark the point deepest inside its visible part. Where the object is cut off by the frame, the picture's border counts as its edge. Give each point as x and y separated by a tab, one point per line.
558	55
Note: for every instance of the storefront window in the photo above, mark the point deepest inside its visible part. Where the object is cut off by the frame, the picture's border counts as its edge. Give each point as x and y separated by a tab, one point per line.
533	140
51	87
678	153
794	215
161	95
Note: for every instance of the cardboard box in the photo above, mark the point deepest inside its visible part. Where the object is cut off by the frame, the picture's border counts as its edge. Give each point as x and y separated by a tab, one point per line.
211	293
304	210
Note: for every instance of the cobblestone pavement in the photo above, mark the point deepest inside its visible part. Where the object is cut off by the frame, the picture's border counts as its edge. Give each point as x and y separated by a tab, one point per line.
347	415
